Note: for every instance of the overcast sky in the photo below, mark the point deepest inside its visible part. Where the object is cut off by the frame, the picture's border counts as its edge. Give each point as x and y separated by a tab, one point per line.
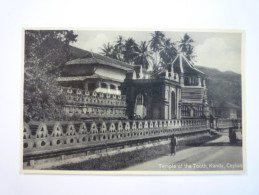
218	50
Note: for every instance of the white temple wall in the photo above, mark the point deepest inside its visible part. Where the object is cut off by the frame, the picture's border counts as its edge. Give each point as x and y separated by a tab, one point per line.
111	73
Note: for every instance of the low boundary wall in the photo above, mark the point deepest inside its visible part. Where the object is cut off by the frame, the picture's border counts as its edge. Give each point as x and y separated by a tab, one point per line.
54	139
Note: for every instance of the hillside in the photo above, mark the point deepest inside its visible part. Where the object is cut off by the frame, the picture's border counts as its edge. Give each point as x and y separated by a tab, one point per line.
224	88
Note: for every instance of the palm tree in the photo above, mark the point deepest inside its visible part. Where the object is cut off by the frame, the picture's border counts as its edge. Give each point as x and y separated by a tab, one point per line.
119	48
168	52
143	55
156	44
108	50
130	52
190	54
186	47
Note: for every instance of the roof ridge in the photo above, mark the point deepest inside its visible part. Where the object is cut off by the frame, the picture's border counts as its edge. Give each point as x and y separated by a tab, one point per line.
190	65
94	53
113	59
181	62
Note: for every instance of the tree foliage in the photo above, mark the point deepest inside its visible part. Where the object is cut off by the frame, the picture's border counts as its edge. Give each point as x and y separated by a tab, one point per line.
131	50
157	41
158	53
45	53
119	48
168	52
156	44
144	55
186	46
108	50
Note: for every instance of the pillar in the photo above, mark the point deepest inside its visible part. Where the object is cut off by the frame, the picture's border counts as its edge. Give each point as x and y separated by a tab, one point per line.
204	83
179	113
86	85
118	92
176	77
134	75
108	88
166	74
181	79
199	81
140	73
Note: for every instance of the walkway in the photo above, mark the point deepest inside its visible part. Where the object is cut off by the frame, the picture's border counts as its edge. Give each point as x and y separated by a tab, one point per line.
214	155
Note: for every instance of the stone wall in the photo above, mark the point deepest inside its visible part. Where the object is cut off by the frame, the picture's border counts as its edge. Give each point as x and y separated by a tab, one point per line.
51	137
86	104
221	123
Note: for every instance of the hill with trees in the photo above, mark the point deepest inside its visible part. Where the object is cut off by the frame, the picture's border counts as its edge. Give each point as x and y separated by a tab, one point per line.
223	87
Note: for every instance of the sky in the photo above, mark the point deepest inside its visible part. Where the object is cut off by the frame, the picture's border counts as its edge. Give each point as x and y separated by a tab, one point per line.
220	50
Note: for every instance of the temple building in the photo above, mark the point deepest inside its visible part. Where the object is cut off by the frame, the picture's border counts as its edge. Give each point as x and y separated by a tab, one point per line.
94	72
97	86
179	91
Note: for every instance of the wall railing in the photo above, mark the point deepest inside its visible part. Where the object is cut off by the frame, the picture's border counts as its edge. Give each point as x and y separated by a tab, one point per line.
82	97
80	92
222	123
39	137
90	111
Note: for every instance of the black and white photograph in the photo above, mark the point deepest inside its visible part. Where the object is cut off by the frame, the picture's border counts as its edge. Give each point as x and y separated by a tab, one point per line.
133	101
129	97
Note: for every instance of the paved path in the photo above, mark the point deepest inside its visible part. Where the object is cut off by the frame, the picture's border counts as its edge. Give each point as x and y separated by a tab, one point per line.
215	155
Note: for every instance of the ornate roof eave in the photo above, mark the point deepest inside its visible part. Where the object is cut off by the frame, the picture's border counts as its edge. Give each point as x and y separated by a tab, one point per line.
181	58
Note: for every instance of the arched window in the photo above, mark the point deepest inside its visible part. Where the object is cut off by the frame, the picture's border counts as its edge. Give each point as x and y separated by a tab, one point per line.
103	85
112	87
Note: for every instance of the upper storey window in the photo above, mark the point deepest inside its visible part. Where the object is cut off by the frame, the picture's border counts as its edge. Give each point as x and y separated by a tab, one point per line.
191	81
104	85
112	87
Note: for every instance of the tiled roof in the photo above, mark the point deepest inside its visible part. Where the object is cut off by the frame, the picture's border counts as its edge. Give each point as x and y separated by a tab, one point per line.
80	56
182	65
78	53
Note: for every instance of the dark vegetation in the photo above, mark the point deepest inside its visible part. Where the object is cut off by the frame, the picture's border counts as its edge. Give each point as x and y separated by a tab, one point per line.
155	54
46	51
224	88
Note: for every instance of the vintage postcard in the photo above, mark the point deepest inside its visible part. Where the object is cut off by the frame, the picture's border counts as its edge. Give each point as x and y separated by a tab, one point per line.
133	102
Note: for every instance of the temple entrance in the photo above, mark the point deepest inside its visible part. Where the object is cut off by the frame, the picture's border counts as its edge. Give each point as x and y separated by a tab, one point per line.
140	108
173	111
